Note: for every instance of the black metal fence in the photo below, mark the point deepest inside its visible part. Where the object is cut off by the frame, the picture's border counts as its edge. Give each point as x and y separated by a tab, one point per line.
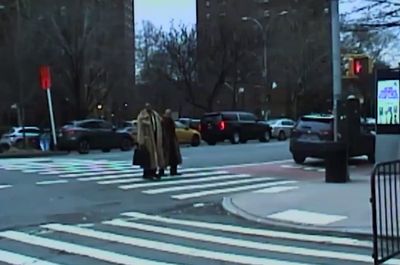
385	197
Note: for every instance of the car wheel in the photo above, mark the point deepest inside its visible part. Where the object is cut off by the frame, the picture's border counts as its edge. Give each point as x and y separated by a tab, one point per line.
371	158
211	142
83	147
266	137
195	140
282	136
126	144
235	139
299	159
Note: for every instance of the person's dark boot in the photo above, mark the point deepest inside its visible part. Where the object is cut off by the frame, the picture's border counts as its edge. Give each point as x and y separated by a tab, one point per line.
161	172
174	171
146	174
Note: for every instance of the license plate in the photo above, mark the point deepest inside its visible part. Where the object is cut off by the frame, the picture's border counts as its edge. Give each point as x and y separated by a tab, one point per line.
310	137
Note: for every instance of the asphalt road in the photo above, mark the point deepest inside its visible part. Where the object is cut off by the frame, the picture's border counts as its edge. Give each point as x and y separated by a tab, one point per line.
96	209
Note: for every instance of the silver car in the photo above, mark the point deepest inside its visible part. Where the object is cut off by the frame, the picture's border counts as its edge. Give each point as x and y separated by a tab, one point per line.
15	136
281	128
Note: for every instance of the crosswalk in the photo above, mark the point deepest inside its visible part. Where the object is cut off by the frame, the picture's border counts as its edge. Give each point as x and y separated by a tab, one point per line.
138	238
194	183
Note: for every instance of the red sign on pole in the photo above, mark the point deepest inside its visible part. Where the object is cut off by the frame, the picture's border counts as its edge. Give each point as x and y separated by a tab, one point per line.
45	77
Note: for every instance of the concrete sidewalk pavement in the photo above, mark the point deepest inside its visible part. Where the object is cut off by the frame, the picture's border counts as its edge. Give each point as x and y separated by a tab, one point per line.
310	205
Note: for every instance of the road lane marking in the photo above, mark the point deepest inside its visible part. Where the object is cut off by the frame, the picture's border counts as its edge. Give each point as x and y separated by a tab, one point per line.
51	182
76	249
209	185
241	243
167	247
138	174
5	186
185	178
252	231
306	217
276	189
18	259
109	177
97	173
229	190
205	176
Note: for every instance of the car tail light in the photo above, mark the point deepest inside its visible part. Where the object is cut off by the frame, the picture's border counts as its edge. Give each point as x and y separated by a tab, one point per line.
69	132
221	125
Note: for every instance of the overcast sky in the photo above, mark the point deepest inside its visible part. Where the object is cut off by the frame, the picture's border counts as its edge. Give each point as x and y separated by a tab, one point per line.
162	12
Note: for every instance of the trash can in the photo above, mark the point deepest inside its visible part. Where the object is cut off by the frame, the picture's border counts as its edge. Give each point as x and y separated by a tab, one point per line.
336	163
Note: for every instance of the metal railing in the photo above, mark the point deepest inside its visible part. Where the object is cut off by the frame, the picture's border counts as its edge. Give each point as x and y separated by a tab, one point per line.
385	197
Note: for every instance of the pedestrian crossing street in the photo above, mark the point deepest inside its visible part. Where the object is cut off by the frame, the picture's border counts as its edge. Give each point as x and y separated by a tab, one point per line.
138	238
194	183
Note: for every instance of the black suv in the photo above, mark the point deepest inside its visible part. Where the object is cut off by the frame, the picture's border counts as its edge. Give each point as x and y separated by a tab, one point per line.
238	127
93	134
312	130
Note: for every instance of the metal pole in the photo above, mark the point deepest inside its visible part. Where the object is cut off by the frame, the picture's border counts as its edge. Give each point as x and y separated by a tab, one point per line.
53	127
337	80
265	60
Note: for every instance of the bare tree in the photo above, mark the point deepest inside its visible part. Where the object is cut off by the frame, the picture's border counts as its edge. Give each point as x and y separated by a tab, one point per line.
372	14
81	32
304	59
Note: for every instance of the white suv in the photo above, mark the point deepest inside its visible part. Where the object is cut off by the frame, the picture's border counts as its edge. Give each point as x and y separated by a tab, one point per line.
15	136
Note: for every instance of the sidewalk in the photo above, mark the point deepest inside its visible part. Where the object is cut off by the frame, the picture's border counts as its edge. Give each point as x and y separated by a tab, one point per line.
310	205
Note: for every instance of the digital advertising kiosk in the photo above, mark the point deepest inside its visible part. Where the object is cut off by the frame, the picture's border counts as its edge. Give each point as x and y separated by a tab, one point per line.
387	94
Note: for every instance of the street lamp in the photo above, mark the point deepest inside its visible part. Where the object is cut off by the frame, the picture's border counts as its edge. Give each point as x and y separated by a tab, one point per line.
264	34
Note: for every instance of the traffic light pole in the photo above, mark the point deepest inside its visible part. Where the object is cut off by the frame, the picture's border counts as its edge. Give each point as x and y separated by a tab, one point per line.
337	78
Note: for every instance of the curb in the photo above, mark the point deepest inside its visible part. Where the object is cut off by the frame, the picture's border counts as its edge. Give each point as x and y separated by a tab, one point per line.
33	155
229	206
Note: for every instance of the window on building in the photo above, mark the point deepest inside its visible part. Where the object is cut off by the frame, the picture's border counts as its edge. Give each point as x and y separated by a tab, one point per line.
208	4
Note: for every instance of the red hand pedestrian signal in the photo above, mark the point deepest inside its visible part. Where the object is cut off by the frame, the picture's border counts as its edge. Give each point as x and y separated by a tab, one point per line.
358	67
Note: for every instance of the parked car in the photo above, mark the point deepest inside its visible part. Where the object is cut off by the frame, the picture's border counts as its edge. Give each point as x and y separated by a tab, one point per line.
85	135
311	130
238	127
191	123
15	137
129	127
281	128
187	135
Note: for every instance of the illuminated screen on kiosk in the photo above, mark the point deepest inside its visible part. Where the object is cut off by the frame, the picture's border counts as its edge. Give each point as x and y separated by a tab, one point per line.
388	102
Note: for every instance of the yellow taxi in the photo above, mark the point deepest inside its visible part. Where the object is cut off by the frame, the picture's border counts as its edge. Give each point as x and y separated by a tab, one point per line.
186	135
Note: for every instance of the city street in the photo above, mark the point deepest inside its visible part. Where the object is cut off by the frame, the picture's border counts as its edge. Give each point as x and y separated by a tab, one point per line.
96	209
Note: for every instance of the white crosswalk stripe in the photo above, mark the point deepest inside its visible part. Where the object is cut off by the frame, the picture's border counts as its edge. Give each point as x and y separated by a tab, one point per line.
137	238
193	183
